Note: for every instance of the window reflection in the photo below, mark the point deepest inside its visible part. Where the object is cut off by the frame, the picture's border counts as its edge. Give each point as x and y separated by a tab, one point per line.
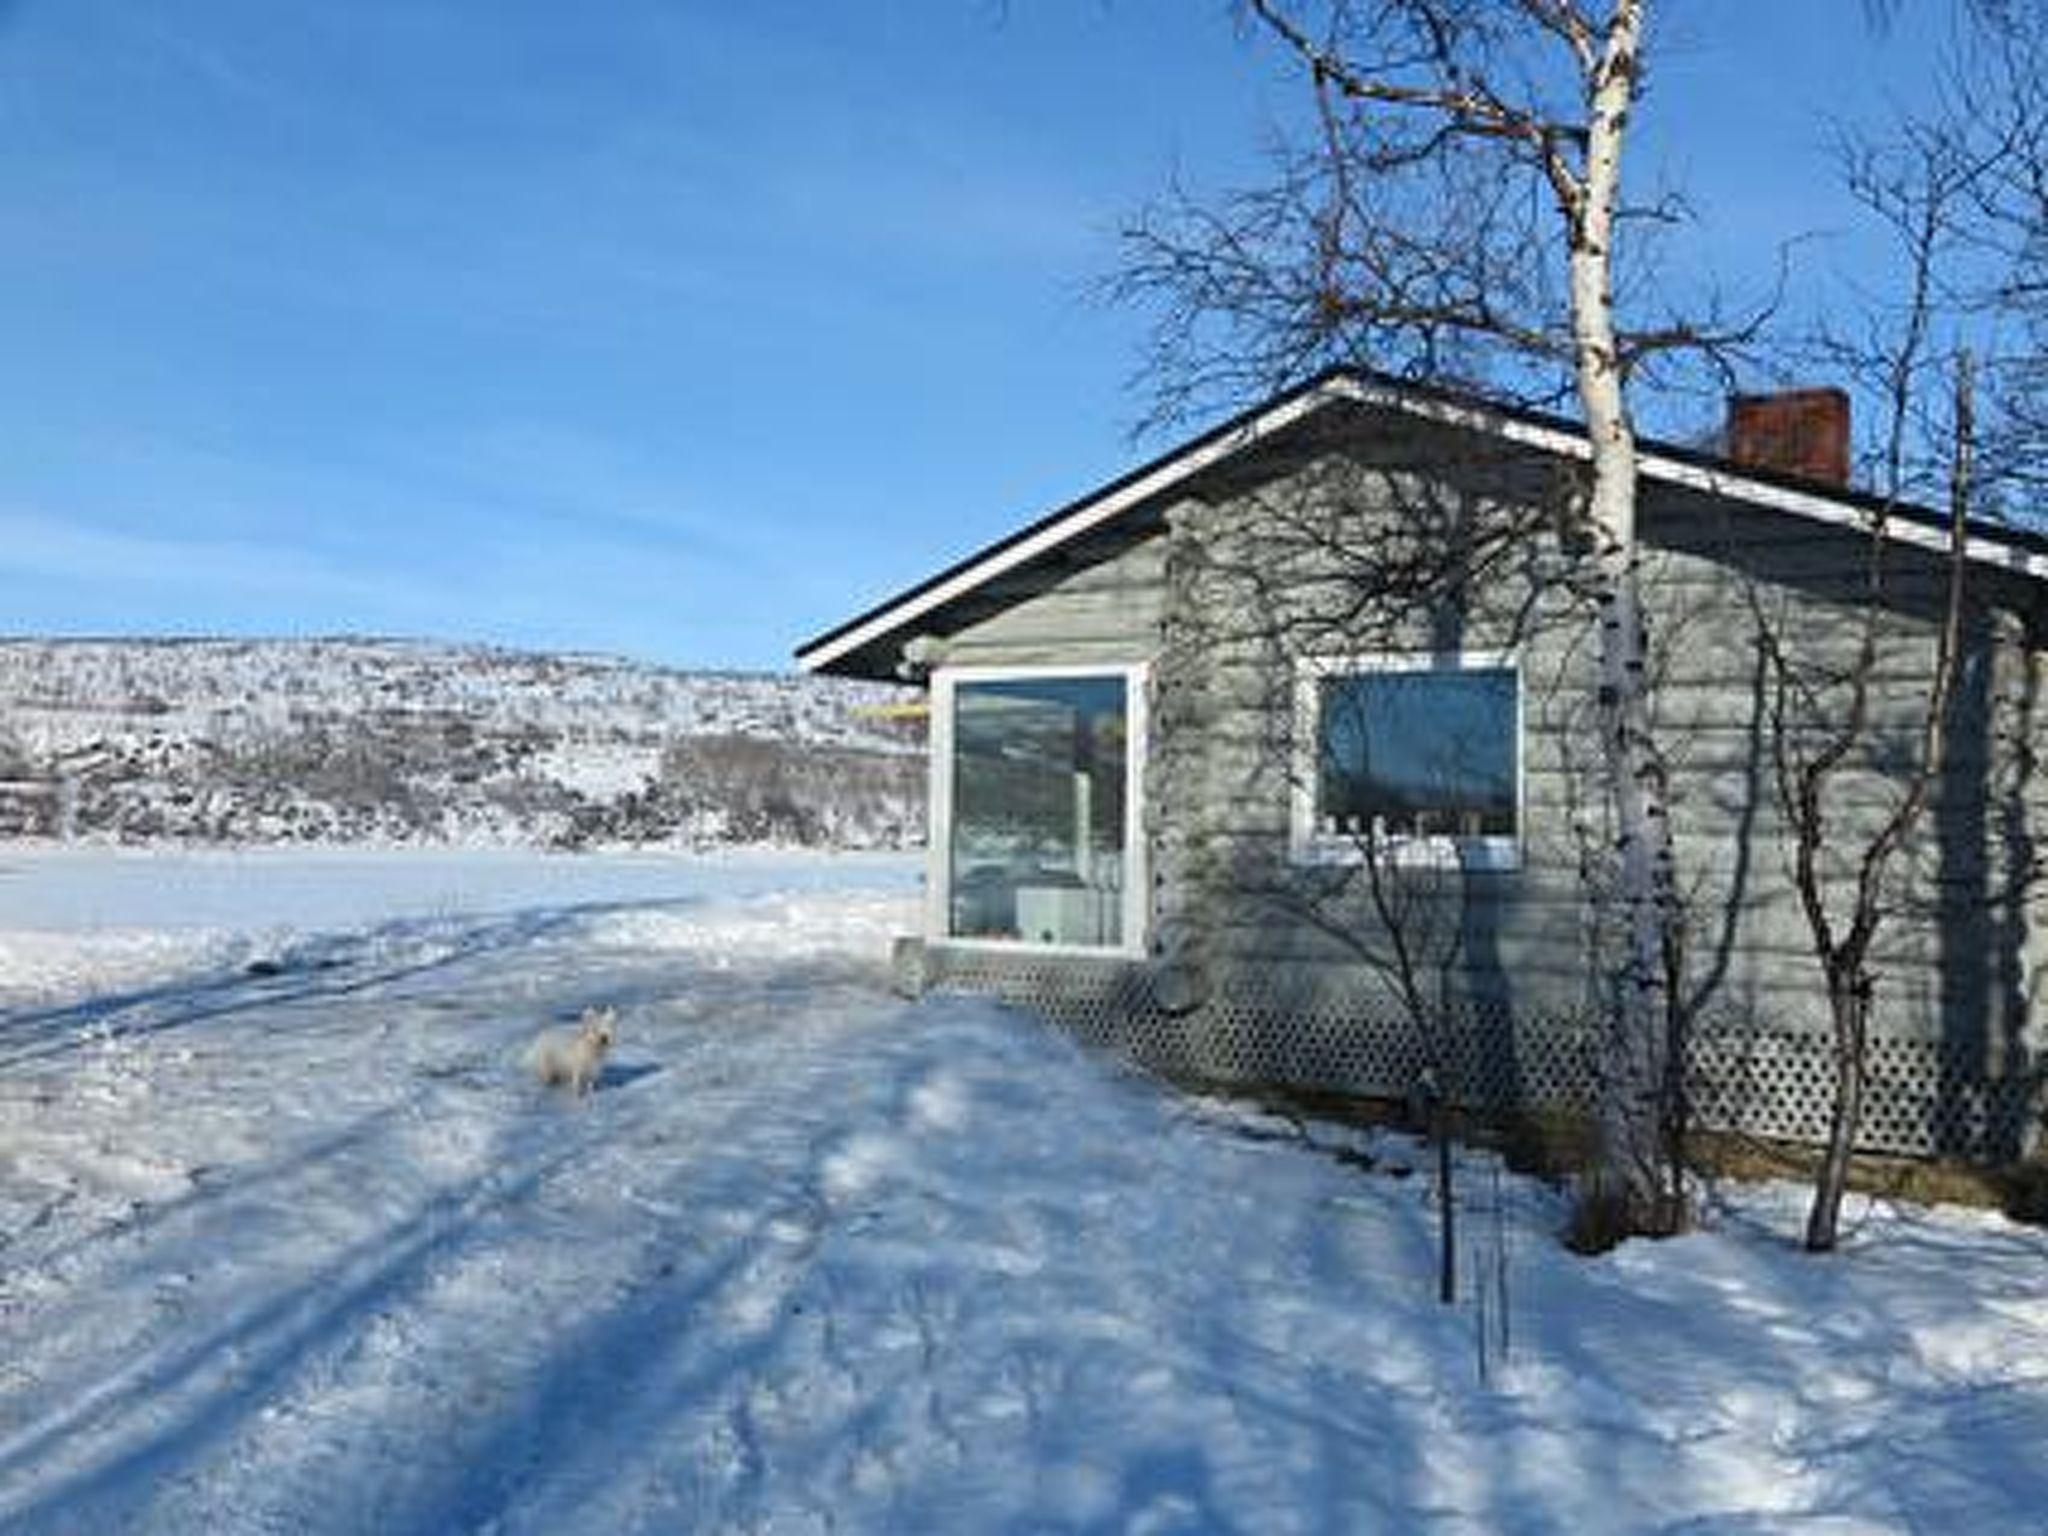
1038	836
1412	754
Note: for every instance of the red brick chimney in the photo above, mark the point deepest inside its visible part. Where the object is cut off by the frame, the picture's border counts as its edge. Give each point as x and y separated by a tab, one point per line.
1802	432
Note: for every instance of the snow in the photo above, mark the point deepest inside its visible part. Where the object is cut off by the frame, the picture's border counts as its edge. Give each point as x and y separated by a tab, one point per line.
300	1247
75	918
66	695
307	742
600	771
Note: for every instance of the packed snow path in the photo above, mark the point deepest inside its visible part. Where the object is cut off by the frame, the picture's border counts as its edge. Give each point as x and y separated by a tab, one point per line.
297	1246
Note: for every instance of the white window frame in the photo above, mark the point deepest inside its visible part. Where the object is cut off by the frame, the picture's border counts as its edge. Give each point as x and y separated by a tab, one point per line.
1308	844
938	882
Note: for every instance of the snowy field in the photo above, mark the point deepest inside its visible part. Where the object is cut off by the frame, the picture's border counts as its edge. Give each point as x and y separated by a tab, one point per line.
290	1243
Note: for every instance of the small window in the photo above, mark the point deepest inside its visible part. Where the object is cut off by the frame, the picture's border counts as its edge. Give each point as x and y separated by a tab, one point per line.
1415	757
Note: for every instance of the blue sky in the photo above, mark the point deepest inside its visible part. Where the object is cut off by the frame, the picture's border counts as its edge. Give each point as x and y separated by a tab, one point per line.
665	327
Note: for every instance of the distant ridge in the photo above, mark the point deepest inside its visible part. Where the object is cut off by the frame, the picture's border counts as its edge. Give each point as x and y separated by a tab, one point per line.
349	740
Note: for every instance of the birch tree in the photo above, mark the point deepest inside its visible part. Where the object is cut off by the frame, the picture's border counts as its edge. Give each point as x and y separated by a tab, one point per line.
1458	212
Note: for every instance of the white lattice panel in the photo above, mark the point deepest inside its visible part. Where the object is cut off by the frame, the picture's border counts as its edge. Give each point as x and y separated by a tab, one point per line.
1920	1099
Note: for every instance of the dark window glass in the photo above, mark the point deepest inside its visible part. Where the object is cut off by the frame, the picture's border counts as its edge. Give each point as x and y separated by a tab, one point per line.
1417	753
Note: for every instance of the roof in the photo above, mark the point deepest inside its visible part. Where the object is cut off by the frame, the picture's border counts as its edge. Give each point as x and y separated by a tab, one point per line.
2008	548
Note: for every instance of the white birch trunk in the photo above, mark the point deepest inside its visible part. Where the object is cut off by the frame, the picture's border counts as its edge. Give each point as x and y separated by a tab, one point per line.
1633	1082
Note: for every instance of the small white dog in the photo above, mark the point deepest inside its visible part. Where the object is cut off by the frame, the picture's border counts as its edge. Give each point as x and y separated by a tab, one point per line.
573	1059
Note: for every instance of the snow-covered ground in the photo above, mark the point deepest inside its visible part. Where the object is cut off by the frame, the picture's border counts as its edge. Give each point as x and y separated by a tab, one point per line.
79	919
289	1242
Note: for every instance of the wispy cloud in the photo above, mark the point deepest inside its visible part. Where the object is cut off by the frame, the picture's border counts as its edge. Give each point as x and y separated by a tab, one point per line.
38	547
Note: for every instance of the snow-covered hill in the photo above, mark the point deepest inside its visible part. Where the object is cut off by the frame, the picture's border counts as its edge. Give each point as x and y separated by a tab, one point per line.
265	741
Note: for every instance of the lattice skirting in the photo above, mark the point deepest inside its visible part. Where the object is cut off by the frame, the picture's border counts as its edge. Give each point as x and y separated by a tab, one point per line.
1921	1098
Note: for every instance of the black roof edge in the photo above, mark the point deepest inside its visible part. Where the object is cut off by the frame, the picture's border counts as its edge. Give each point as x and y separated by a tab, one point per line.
1237	423
1461	399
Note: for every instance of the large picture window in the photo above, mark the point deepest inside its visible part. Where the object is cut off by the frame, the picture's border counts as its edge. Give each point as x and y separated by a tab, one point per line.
1415	757
1037	818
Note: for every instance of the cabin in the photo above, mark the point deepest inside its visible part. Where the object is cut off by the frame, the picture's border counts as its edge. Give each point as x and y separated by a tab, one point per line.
1274	762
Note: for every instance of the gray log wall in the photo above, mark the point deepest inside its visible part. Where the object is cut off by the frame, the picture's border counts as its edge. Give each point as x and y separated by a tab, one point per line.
1266	970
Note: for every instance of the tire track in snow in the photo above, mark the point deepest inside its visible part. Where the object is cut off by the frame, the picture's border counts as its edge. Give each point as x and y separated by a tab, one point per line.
578	1455
176	1398
317	970
124	1433
184	1426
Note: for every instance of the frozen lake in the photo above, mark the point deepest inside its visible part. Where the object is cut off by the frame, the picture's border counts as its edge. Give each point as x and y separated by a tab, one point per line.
45	886
76	919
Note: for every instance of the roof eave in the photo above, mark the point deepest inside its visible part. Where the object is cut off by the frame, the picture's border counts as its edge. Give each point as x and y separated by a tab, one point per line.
1655	461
